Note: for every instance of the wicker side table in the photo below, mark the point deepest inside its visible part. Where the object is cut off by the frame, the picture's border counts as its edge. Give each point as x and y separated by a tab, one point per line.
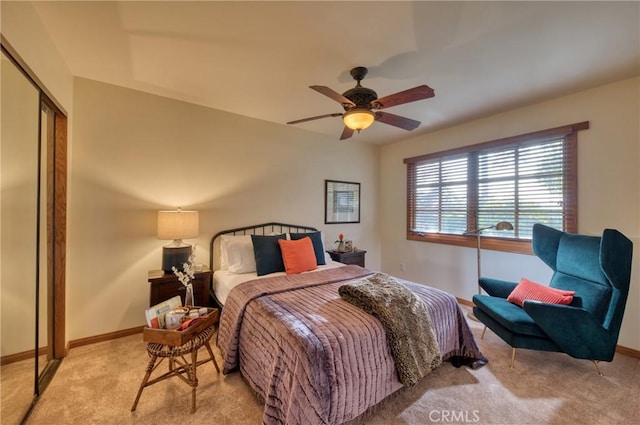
179	365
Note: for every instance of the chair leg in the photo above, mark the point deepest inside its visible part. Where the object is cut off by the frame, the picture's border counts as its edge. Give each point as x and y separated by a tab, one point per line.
193	378
483	331
595	363
150	367
213	358
513	359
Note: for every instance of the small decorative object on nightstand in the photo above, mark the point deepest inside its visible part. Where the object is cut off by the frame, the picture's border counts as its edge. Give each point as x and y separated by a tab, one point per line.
348	246
352	257
340	242
166	285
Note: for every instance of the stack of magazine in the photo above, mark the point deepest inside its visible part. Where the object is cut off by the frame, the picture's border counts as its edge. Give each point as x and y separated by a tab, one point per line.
155	314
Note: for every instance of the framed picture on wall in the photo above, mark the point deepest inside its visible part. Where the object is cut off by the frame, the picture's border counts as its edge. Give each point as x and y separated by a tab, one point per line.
341	202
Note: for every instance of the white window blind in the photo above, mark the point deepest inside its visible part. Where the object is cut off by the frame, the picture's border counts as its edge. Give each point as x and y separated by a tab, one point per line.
441	195
524	180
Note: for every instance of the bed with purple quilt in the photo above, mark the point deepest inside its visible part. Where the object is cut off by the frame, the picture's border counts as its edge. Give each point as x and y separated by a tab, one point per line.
307	353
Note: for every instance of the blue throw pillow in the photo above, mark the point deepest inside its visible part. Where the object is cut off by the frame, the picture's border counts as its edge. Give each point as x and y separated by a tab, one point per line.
268	254
318	246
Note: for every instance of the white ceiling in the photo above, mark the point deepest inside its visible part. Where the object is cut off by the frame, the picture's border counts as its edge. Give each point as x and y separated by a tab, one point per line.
258	58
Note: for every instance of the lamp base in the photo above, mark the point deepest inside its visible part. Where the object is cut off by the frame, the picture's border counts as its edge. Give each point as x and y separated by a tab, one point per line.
175	256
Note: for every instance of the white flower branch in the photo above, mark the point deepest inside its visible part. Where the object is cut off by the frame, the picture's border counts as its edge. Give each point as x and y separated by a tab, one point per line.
188	269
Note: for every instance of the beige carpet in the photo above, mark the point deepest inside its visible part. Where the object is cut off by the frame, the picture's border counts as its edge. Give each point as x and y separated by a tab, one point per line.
97	384
16	387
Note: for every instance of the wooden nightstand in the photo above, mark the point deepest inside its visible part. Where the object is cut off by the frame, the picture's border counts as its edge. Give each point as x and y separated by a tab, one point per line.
350	257
164	286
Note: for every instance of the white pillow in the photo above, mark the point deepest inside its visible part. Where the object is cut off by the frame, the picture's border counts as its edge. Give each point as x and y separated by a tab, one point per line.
224	258
327	257
236	254
241	257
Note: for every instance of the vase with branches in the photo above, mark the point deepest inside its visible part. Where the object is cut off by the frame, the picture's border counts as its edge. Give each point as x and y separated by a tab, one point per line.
186	276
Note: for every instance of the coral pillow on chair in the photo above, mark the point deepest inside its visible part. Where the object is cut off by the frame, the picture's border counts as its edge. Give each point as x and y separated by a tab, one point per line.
528	290
298	255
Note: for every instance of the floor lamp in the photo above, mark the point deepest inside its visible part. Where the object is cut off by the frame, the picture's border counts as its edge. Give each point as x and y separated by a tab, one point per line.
503	225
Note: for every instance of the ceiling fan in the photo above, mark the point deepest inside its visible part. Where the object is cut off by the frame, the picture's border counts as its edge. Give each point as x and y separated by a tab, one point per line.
362	106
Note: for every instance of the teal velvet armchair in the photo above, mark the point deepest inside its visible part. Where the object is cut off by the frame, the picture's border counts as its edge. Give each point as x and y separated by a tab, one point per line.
598	269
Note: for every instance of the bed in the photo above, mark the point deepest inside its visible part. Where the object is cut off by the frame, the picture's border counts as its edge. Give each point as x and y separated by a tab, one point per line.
309	355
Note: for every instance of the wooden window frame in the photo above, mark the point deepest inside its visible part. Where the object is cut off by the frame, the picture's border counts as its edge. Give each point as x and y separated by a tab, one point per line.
499	243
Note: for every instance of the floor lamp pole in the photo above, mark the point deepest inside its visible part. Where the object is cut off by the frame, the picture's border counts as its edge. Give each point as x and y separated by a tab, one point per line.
503	225
478	232
479	288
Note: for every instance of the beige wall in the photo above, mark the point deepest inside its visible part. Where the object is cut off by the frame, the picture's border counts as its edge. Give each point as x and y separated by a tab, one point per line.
608	191
136	153
22	27
120	174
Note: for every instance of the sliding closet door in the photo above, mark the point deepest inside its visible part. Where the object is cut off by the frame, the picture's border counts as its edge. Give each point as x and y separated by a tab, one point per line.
33	200
19	228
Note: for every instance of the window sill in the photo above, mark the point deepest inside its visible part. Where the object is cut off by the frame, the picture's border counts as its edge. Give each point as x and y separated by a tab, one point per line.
487	242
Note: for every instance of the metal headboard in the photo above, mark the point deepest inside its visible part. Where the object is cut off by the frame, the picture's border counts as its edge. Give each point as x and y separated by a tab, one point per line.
256	229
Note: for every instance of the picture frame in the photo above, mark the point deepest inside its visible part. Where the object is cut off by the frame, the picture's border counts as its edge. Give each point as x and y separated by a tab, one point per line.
341	202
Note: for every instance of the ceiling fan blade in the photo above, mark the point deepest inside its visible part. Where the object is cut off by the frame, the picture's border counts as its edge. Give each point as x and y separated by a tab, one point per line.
346	133
333	95
406	96
397	121
337	114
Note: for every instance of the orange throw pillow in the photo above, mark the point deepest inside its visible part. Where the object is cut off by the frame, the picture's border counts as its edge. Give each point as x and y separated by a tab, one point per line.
298	255
528	290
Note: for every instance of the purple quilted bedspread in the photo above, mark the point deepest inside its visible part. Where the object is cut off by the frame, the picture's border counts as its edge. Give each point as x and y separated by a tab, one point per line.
313	357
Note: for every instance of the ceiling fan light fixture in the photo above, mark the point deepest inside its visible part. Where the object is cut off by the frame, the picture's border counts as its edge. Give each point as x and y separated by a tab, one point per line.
358	118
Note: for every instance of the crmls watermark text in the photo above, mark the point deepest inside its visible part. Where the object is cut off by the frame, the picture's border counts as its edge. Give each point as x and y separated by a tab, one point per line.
454	416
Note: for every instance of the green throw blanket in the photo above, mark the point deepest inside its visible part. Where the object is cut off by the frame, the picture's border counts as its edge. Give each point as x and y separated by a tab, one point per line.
406	321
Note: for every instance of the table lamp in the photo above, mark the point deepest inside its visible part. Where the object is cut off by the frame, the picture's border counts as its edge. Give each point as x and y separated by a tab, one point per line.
175	226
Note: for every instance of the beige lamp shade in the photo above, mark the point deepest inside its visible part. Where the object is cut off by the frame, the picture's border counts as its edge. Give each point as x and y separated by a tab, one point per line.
176	225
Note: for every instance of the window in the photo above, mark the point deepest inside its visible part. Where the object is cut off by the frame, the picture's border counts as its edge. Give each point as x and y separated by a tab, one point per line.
523	180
